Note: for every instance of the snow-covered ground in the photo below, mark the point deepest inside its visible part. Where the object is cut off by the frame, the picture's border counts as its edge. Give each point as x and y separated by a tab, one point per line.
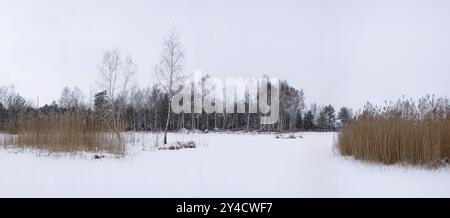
224	165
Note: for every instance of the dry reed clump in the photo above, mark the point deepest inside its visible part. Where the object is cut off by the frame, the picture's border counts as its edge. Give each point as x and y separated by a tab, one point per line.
402	133
68	132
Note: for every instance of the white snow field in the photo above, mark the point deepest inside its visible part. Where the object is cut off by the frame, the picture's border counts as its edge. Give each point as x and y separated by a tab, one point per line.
224	165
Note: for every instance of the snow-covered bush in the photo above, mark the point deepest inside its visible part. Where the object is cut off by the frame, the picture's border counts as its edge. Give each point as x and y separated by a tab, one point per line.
179	146
289	136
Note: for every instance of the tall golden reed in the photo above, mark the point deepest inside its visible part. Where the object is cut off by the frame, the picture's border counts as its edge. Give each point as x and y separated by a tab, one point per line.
68	132
404	137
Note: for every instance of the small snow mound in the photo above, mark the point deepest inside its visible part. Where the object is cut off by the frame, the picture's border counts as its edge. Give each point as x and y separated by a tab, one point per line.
290	136
179	146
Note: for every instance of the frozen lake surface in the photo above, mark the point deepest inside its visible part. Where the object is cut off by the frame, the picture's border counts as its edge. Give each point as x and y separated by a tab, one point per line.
224	165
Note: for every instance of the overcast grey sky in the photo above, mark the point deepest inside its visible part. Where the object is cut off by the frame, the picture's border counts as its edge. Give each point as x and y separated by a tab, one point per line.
339	51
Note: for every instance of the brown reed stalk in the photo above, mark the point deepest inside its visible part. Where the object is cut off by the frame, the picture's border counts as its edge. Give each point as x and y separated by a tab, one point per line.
66	132
398	138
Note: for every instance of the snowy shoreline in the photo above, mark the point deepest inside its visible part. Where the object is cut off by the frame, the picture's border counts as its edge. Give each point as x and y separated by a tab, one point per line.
223	165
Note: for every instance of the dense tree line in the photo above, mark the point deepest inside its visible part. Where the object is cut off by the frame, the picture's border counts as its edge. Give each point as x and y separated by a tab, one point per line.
149	109
146	109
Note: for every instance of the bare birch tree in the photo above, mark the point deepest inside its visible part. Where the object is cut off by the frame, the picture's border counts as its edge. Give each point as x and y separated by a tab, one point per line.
109	71
127	73
169	70
72	99
115	73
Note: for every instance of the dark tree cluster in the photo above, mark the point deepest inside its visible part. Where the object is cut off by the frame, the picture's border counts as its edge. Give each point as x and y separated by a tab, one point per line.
147	110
